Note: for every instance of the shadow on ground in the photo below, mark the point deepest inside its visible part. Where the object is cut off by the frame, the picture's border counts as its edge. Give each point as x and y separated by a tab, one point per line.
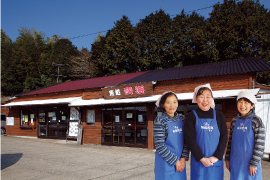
9	159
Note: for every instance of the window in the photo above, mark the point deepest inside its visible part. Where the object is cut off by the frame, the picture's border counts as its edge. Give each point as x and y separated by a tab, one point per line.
28	118
51	117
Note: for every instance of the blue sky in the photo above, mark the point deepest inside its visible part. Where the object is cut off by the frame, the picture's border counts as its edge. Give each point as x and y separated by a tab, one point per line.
72	18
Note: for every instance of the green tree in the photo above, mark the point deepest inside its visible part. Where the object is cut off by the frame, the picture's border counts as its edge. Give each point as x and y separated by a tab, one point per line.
240	29
190	42
58	60
9	83
26	54
117	52
155	41
100	56
47	76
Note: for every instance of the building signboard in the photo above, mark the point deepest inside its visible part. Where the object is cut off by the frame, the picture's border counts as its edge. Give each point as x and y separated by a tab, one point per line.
133	90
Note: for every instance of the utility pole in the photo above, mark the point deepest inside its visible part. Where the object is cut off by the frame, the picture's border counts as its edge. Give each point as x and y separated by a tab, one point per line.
58	70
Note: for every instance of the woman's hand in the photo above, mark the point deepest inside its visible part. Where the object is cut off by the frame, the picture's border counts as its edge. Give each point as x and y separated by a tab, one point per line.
206	162
180	165
213	159
252	170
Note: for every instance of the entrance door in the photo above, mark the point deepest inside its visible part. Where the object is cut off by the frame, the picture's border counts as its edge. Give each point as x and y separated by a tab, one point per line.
125	126
117	127
57	124
129	127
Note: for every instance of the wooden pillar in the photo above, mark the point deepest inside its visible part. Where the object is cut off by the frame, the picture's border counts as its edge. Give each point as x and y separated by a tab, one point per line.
150	125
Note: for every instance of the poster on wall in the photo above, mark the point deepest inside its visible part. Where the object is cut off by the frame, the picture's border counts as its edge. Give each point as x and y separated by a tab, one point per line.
129	115
140	118
41	117
51	114
73	129
74	113
117	119
10	121
32	116
25	118
90	116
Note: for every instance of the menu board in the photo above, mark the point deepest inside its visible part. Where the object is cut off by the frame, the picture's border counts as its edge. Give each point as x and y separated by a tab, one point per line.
73	129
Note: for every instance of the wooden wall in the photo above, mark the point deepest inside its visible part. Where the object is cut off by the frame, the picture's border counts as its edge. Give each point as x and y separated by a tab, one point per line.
229	110
217	83
150	126
92	132
16	130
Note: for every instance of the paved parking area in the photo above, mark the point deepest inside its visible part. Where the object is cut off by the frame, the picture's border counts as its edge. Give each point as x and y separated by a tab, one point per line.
42	159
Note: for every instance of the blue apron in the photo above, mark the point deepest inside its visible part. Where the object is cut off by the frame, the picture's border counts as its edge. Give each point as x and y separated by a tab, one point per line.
175	143
242	150
207	138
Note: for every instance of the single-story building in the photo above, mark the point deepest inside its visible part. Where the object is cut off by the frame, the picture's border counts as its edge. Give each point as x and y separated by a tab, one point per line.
120	109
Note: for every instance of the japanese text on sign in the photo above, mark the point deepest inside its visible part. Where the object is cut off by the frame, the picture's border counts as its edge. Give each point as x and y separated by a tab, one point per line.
128	90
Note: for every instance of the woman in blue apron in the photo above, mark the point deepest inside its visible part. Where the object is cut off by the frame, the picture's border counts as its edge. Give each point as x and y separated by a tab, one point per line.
206	135
170	153
244	152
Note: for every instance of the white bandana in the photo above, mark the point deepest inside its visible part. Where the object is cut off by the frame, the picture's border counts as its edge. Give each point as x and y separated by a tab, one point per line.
158	101
196	91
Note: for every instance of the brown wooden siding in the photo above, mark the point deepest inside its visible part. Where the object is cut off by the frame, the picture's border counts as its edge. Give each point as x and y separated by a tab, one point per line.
92	94
16	130
150	126
92	132
4	110
229	110
217	83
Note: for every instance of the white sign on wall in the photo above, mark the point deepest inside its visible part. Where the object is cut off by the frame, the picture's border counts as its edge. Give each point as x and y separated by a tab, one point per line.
90	116
10	121
73	129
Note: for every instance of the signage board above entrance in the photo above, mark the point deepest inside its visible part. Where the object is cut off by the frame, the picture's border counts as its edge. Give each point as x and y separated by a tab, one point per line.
128	91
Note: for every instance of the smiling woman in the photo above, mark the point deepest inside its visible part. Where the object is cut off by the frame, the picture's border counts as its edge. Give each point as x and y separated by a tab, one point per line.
204	98
171	153
247	140
208	127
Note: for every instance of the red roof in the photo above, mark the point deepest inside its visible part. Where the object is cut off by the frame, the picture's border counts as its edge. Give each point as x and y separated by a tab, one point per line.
97	82
229	67
238	66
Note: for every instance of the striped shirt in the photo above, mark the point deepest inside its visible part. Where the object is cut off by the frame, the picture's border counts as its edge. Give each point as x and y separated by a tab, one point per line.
259	139
160	136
